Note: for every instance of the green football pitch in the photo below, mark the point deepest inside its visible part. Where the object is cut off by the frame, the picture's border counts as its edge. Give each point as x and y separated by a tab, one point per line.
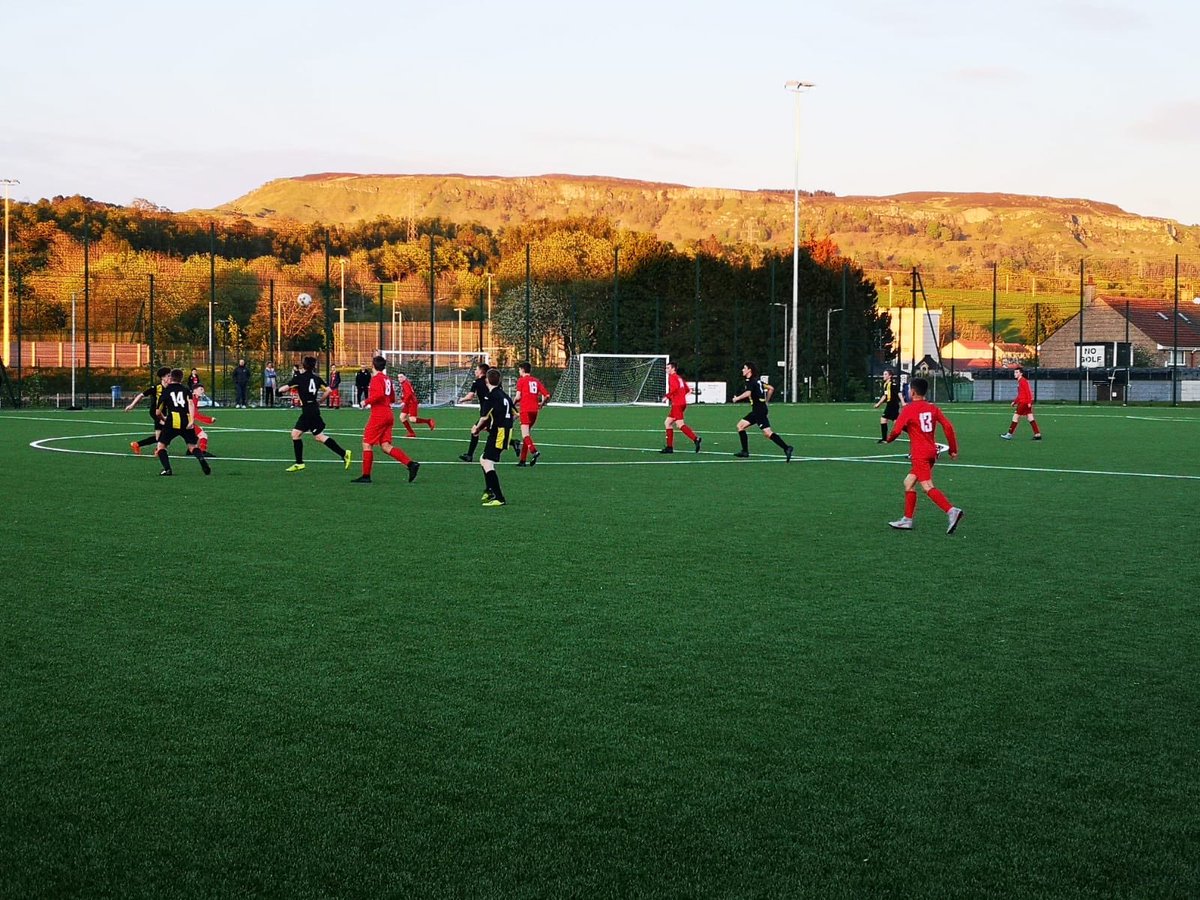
648	675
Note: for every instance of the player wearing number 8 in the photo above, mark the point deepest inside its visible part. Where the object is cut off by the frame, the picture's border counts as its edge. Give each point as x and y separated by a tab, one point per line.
920	419
381	394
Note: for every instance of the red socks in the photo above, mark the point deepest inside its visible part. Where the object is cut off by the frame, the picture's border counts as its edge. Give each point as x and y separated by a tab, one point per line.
940	499
670	437
527	447
408	428
368	460
1012	426
1036	430
688	433
399	456
910	503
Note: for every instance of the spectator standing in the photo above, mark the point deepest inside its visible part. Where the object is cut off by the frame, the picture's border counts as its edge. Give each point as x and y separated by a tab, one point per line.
269	382
241	382
362	381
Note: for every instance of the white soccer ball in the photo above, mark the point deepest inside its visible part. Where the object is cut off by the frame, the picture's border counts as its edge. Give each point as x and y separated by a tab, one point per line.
304	299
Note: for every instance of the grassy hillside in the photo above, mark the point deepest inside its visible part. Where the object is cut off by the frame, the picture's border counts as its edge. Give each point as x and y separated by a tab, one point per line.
937	230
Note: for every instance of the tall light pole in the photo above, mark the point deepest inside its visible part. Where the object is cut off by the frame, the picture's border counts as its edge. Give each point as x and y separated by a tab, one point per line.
797	88
342	314
7	182
459	310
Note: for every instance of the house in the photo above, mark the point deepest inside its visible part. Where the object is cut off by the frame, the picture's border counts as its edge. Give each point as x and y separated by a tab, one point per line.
967	354
1112	324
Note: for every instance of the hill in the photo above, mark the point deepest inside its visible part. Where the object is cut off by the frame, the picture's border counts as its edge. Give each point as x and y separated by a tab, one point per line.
949	231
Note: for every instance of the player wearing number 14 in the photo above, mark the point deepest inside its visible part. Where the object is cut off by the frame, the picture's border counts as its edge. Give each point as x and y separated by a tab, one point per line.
920	419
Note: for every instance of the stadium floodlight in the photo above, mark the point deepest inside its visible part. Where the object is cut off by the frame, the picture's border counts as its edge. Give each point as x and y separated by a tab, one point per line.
797	88
8	183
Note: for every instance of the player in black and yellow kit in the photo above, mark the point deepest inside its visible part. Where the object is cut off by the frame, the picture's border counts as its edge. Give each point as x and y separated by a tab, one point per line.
154	395
479	391
759	396
175	420
496	416
311	389
891	402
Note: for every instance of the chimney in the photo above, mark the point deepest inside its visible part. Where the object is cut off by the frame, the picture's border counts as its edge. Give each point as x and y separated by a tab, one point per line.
1089	291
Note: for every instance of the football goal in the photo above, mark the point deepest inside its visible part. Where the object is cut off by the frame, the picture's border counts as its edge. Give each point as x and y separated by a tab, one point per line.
450	377
611	379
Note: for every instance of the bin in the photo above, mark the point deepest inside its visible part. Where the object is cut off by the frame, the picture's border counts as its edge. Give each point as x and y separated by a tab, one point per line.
116	394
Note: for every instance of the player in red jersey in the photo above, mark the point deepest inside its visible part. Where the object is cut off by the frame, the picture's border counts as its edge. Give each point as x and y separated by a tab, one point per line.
380	396
531	397
410	406
677	396
200	419
1022	406
919	418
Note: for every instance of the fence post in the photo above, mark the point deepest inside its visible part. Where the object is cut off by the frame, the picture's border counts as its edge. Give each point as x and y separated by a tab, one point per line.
1175	341
1079	350
87	334
528	296
994	285
696	332
616	301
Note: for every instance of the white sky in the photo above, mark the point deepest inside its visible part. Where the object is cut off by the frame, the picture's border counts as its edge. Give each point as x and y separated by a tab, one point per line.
190	105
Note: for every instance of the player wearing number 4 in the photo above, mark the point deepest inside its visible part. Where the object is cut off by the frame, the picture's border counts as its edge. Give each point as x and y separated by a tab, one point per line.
496	417
531	396
677	396
380	395
919	418
1022	406
311	389
759	396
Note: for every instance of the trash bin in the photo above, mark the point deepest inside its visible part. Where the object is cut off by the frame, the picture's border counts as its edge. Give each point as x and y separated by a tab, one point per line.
116	395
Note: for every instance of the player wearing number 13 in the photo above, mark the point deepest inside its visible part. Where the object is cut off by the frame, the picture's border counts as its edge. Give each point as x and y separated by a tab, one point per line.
311	389
920	419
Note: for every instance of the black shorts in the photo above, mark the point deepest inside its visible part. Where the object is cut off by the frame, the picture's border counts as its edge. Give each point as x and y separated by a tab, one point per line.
759	418
169	434
892	411
497	442
310	420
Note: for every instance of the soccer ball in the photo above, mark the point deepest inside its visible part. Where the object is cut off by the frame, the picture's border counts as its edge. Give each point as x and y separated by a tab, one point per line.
304	299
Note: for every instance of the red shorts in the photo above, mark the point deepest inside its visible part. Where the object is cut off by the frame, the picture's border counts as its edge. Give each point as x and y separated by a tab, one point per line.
1024	409
923	468
529	418
378	431
410	409
676	413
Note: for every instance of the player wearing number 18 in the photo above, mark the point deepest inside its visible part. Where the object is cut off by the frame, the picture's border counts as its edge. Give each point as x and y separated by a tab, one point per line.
381	394
919	419
497	418
311	389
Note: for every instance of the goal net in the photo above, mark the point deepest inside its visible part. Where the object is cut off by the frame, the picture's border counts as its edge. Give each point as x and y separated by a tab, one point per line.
449	378
609	379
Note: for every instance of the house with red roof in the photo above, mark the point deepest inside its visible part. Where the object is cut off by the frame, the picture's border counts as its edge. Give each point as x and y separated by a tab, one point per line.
1147	324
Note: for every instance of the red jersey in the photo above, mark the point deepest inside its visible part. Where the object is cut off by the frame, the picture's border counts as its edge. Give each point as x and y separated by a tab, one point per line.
1024	391
529	393
198	417
407	394
919	418
381	394
677	390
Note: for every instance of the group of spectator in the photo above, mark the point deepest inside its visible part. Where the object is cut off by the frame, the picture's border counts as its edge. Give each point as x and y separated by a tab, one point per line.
270	385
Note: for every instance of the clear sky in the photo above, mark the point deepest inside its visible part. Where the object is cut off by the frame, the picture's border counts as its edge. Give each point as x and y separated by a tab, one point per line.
190	105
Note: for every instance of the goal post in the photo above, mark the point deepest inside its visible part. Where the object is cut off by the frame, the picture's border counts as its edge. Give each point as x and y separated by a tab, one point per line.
452	372
613	379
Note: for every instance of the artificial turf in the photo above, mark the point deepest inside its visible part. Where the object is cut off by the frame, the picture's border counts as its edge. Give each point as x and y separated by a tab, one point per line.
647	675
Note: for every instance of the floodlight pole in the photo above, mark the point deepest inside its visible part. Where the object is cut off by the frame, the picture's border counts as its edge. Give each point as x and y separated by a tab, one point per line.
797	88
342	313
4	354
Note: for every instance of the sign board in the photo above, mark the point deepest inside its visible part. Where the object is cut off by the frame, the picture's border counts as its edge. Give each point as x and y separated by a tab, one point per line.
710	392
1093	356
